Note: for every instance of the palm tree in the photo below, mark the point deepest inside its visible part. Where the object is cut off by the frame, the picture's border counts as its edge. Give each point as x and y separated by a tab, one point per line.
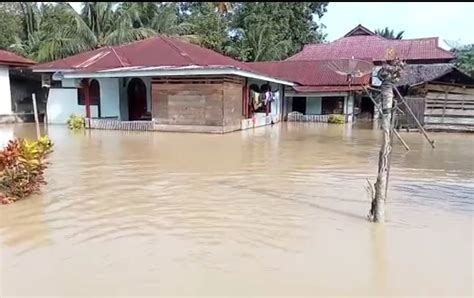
389	33
258	44
56	31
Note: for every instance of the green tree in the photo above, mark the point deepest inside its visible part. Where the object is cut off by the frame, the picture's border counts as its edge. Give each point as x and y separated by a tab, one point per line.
256	31
10	23
285	26
389	33
465	57
205	25
53	31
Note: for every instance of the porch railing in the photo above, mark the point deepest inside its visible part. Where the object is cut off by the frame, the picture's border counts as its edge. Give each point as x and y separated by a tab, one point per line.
114	124
299	117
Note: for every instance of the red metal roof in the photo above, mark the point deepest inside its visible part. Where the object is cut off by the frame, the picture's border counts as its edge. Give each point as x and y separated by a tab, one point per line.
12	59
313	74
155	51
361	43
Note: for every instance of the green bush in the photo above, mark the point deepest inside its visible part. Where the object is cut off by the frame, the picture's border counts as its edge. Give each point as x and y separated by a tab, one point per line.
76	122
336	119
22	165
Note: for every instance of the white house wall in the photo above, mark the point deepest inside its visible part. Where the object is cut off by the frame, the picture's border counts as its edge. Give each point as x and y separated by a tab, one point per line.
5	92
313	105
62	102
109	97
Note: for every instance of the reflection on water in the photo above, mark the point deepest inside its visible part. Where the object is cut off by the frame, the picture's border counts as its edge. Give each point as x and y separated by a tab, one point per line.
273	211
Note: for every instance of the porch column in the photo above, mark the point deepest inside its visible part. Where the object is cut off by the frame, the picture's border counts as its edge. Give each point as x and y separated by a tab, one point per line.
87	100
350	107
345	105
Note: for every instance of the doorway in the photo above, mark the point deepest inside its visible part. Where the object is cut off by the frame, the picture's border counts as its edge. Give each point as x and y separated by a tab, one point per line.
137	105
299	105
366	109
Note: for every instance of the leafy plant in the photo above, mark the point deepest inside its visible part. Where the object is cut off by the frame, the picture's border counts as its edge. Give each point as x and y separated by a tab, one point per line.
389	33
336	119
22	165
76	122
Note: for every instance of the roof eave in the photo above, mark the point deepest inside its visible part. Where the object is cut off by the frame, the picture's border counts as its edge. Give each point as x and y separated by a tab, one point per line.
177	72
52	70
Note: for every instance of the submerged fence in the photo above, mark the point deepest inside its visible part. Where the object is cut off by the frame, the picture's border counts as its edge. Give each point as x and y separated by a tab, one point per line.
298	117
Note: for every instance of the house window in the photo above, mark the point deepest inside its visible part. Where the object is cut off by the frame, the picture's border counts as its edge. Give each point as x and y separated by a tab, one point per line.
259	101
94	92
332	105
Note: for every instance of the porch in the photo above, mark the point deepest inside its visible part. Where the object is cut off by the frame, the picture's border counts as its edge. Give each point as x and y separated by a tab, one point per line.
152	125
212	104
318	106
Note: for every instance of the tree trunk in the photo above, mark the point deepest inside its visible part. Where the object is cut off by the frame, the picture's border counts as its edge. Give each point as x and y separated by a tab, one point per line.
377	211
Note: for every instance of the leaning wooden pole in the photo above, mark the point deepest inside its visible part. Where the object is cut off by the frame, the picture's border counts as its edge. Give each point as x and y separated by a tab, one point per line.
388	74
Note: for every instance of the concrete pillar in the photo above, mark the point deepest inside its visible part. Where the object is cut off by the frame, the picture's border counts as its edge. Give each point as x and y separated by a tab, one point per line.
5	92
349	107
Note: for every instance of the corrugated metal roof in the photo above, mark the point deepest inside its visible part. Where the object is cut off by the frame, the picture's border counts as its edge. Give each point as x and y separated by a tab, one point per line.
12	59
155	51
307	73
374	47
158	52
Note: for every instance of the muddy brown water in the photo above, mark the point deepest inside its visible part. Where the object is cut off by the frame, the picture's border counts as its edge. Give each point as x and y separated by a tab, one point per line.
273	211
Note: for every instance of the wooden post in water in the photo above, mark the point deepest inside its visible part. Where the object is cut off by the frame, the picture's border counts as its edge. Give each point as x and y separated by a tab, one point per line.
387	74
35	110
377	211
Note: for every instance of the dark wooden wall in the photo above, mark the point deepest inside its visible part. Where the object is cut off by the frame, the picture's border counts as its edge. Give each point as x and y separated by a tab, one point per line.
203	101
232	104
417	105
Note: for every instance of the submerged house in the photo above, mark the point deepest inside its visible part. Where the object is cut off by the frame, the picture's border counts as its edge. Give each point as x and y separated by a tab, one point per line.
162	83
363	44
17	83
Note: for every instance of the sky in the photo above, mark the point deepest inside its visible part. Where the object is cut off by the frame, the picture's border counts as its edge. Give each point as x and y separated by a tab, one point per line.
448	20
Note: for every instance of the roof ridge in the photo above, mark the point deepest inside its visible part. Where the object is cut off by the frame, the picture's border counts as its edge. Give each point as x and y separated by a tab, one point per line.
360	27
119	59
92	60
180	51
135	41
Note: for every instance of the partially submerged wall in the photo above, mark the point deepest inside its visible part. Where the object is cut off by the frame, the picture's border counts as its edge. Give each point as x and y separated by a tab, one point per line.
5	92
449	108
203	104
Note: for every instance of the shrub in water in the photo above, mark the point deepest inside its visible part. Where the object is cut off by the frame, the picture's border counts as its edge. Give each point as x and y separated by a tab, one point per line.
336	119
22	165
76	122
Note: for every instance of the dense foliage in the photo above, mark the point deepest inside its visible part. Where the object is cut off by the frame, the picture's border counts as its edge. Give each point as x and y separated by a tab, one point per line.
76	122
465	58
22	165
249	31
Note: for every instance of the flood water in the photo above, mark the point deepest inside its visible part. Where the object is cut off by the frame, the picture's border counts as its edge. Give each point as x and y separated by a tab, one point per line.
273	211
